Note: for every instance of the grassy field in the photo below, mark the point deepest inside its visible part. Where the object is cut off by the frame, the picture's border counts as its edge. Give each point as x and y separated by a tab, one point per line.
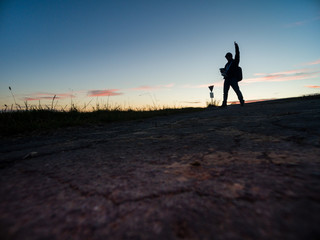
30	121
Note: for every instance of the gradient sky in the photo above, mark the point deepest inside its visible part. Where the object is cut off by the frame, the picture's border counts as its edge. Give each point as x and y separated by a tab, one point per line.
139	53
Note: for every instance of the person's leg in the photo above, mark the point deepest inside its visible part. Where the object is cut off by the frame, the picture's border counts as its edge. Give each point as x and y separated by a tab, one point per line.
235	86
226	87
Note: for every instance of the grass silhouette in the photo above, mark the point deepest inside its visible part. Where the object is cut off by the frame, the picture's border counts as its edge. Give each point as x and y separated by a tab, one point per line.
19	119
35	118
30	120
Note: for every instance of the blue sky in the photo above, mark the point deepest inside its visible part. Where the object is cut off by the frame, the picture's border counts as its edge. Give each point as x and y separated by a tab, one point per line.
155	53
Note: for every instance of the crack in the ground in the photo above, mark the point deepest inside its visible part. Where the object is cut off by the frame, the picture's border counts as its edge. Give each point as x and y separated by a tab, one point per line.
152	196
109	196
299	129
9	162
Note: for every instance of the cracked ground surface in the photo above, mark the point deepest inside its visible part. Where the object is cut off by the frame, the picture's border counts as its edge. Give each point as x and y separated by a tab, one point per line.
235	173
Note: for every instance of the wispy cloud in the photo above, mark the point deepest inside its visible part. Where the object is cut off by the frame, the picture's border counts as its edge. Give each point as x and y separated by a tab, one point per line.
47	96
297	74
194	102
252	101
216	84
145	88
297	24
312	86
101	93
302	22
150	88
290	75
295	71
312	63
259	74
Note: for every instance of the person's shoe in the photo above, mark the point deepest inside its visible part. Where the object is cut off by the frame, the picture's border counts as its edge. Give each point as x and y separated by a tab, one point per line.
223	106
242	103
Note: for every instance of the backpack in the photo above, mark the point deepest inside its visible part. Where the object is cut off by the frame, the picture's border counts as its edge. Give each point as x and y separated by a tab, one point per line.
238	73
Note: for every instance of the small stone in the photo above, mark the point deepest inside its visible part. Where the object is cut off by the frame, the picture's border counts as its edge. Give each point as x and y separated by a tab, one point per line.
195	164
30	155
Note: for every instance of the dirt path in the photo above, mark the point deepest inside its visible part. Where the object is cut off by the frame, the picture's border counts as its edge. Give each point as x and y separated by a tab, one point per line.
236	173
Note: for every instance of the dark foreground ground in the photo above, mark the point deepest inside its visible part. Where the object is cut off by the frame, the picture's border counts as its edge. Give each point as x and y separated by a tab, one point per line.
236	173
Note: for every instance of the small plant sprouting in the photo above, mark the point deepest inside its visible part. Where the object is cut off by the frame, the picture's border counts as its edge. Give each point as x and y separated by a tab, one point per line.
52	102
26	104
14	99
214	103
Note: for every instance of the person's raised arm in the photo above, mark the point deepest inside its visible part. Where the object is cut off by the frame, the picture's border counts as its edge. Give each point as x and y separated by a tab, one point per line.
237	56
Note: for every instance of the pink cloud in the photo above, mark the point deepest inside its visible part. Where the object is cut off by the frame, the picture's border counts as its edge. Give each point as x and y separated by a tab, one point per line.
290	75
170	85
295	71
313	63
145	88
252	101
312	86
48	96
297	74
149	88
100	93
216	84
31	99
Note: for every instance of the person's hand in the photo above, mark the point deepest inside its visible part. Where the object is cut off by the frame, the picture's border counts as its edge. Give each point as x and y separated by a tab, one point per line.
236	46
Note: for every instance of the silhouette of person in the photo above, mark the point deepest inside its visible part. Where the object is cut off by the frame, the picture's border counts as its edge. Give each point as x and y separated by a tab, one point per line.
229	74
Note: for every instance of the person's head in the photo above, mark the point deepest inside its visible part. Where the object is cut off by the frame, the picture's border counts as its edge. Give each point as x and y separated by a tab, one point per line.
229	56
